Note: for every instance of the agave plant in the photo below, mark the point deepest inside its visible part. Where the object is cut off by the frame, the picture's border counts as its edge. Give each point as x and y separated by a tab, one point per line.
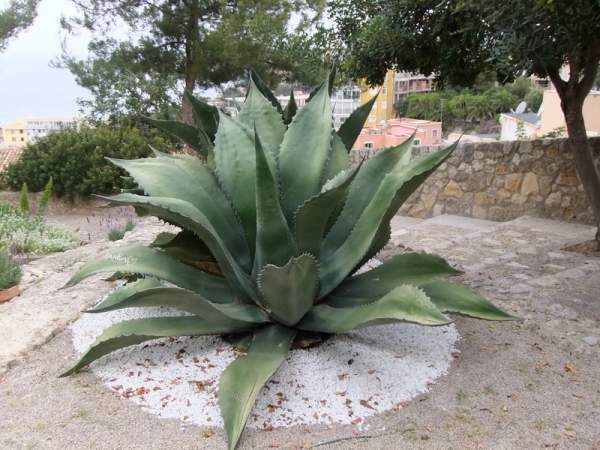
275	222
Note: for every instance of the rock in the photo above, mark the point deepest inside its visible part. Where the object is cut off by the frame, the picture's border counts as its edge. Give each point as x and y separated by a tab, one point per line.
553	200
482	198
567	180
512	182
479	212
529	184
478	155
453	189
591	340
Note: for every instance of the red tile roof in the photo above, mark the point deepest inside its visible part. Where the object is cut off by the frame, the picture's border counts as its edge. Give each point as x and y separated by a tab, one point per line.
8	156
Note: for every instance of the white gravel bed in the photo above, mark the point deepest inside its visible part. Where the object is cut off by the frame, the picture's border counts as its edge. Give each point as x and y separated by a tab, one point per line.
344	380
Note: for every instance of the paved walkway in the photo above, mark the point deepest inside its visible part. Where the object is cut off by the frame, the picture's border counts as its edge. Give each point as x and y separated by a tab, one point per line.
528	384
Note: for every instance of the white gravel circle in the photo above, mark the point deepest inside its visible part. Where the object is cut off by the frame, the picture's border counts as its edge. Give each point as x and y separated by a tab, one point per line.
344	380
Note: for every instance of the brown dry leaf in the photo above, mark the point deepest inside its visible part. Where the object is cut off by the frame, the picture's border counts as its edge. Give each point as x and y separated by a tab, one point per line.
208	433
569	368
366	404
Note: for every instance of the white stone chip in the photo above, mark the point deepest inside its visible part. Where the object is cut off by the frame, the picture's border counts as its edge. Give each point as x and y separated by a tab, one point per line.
344	380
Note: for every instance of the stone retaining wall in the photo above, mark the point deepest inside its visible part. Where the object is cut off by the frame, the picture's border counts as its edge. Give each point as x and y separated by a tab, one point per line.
502	181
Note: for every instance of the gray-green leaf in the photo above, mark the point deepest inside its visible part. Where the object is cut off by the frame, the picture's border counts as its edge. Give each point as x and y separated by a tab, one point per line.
243	379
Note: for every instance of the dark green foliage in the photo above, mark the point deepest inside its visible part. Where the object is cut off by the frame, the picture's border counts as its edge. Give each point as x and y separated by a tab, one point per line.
15	17
183	45
75	159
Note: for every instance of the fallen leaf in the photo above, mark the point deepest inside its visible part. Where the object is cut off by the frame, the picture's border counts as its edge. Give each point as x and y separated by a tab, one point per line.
366	404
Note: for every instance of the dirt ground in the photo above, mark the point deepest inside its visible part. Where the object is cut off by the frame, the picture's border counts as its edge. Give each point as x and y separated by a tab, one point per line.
514	385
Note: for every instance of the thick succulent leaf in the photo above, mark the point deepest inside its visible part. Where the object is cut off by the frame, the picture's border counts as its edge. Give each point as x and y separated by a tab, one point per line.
289	291
339	159
264	89
362	190
188	217
154	263
402	195
338	264
353	125
290	109
304	152
258	112
330	81
206	116
274	241
455	298
405	303
382	237
134	295
236	169
190	180
185	246
120	294
312	217
188	134
406	268
242	380
132	332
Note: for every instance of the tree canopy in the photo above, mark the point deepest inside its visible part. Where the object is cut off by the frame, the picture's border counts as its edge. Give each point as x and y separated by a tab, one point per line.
18	15
458	39
175	45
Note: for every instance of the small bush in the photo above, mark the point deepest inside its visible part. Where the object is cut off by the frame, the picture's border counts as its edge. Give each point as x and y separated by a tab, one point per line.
31	235
24	199
45	198
76	160
118	233
10	271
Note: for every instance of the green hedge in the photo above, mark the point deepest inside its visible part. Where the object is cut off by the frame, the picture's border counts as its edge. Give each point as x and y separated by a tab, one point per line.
75	159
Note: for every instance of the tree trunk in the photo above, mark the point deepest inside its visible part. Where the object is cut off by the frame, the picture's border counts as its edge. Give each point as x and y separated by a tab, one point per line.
187	112
583	155
192	37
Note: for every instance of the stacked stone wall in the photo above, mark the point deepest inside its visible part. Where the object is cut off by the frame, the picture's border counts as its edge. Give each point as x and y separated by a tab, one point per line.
502	181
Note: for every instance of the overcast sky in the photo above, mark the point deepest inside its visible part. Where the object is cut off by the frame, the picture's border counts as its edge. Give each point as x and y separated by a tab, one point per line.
29	87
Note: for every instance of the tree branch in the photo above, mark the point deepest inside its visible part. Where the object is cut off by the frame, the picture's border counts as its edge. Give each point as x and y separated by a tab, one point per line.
589	71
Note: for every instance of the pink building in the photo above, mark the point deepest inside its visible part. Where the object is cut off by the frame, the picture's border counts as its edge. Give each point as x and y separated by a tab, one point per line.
395	131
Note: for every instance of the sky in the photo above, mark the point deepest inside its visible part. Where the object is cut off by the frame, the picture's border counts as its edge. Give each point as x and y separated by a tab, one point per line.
29	87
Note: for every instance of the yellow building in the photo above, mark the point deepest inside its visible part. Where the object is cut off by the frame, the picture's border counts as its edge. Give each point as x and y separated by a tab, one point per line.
553	118
21	132
395	86
13	134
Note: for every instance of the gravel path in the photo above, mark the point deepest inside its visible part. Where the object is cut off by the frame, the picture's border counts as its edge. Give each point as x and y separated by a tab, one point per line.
528	384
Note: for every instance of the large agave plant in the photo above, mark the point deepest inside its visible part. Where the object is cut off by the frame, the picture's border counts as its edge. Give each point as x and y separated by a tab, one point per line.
275	223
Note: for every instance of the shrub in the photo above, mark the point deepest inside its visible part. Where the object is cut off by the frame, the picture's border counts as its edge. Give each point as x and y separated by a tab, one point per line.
10	271
76	160
45	198
30	234
118	233
24	199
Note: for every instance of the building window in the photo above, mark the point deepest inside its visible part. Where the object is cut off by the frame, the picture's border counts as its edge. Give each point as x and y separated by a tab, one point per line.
434	133
417	142
369	145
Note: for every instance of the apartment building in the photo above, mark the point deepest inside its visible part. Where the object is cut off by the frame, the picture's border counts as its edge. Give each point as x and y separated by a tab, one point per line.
396	86
344	101
21	132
